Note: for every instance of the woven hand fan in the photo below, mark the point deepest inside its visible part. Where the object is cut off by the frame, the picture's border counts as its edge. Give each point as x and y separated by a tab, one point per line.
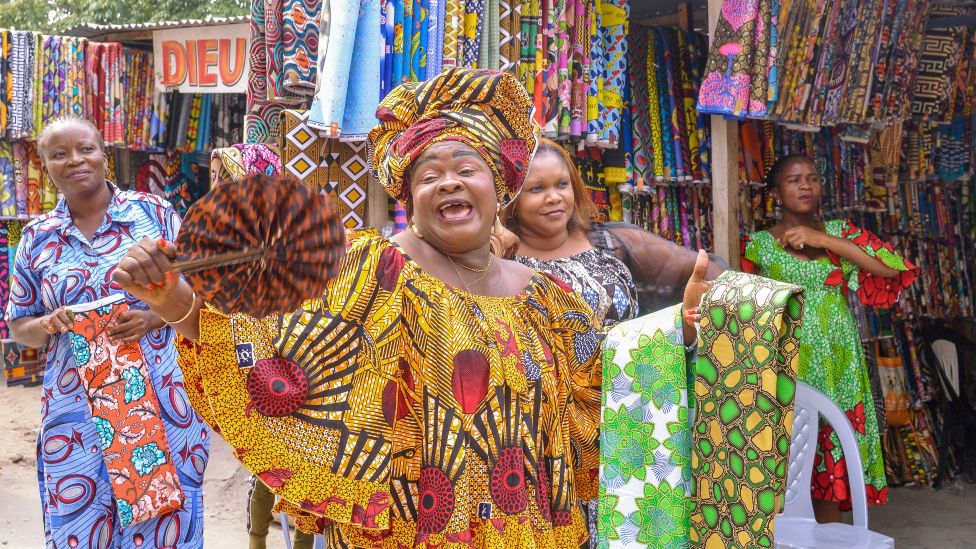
260	246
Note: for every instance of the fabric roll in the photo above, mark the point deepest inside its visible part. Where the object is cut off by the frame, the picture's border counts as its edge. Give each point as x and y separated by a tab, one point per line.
8	181
418	40
488	54
435	37
726	86
745	381
510	27
343	38
614	21
473	21
453	32
116	378
364	77
21	168
389	33
645	435
22	83
300	33
6	80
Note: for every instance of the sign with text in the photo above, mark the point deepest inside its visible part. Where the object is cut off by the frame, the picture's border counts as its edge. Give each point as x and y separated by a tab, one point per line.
202	59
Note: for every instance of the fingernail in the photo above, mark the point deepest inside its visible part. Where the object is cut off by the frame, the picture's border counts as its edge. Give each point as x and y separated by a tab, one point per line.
170	276
162	243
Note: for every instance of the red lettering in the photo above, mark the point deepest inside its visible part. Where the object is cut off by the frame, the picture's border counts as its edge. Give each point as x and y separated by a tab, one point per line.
174	63
207	57
231	74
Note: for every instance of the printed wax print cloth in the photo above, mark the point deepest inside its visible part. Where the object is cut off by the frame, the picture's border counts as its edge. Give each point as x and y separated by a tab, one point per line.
603	280
345	103
645	435
237	162
22	83
300	37
339	168
939	59
125	410
831	354
745	381
73	481
409	413
735	82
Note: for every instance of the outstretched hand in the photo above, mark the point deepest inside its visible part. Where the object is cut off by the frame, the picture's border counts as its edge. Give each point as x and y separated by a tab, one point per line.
694	291
145	273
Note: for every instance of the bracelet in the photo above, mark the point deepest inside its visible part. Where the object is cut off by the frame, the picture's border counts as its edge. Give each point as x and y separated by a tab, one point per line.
193	305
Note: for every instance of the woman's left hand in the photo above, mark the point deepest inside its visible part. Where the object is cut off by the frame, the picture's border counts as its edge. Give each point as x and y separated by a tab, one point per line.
134	324
694	290
800	237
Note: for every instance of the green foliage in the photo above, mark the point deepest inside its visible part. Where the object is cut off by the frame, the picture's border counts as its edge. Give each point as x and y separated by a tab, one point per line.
53	16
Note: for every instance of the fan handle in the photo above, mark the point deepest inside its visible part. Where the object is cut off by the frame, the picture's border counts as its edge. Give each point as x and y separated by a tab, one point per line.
246	255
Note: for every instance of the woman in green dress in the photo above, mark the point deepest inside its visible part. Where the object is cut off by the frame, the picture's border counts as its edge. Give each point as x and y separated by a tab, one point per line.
828	259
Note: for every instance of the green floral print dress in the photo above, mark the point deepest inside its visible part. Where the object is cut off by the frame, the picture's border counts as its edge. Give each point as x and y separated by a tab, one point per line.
831	355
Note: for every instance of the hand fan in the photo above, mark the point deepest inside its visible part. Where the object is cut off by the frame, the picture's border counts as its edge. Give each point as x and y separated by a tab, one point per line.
260	246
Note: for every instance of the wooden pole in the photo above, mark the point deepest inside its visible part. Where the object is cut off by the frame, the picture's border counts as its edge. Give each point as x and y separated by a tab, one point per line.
725	172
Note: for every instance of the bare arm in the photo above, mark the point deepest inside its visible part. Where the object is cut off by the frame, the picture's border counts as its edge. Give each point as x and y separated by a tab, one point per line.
798	237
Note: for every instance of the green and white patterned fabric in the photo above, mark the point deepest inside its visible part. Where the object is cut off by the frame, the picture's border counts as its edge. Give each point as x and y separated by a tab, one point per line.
645	435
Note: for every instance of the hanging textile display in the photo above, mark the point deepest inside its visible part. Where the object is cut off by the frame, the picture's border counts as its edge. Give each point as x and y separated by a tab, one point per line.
345	103
337	167
738	61
116	378
300	37
22	84
645	435
935	86
745	381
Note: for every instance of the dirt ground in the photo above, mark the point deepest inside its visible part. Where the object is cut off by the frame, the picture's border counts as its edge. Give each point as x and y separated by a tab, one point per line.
917	519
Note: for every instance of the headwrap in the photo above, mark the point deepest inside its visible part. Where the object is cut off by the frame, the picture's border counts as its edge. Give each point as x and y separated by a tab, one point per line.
488	110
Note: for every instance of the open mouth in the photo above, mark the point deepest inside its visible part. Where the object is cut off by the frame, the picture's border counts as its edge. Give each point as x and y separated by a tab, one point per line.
455	210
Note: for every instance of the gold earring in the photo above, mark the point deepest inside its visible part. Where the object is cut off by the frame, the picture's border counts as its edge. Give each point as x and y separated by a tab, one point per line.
416	231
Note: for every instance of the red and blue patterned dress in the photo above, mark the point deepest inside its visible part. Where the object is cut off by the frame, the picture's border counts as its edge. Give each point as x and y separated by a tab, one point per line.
57	266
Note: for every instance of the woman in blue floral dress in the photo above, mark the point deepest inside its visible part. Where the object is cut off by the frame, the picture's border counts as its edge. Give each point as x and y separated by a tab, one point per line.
66	258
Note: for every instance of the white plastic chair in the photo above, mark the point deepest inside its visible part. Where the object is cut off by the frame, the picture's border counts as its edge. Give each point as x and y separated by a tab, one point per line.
797	528
945	351
286	531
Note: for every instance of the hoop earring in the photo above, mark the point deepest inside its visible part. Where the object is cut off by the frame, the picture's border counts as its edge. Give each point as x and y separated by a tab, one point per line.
415	230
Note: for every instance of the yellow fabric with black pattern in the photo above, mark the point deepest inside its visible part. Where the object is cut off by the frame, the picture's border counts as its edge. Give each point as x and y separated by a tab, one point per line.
748	355
398	411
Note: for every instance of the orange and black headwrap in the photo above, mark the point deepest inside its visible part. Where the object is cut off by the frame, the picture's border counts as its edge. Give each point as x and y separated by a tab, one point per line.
488	110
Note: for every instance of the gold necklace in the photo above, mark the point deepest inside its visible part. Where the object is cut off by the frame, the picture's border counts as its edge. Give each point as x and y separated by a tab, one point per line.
472	269
480	278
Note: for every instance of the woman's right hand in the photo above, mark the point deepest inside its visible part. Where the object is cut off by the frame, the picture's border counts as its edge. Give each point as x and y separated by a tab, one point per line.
145	272
59	321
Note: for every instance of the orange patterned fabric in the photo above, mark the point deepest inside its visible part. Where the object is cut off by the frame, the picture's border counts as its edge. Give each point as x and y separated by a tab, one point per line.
401	412
488	110
126	413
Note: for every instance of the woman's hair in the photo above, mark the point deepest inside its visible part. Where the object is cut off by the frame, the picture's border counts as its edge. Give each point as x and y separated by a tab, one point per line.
780	165
62	121
584	211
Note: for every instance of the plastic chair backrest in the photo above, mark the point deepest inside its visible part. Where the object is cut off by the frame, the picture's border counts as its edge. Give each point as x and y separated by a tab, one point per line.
945	351
809	404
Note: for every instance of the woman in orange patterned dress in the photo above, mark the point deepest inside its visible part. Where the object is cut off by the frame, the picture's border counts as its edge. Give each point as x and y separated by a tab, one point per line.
436	396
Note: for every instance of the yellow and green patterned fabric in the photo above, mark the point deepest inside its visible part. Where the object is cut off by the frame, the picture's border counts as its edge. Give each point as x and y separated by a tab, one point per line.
745	381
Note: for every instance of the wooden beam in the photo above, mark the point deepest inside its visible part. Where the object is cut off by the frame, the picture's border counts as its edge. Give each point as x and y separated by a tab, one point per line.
725	173
684	16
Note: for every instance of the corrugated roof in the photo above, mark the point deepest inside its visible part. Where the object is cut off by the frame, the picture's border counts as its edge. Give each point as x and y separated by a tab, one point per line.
93	29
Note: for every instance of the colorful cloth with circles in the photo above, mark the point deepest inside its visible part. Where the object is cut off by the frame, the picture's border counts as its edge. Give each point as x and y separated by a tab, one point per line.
398	411
745	380
488	110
